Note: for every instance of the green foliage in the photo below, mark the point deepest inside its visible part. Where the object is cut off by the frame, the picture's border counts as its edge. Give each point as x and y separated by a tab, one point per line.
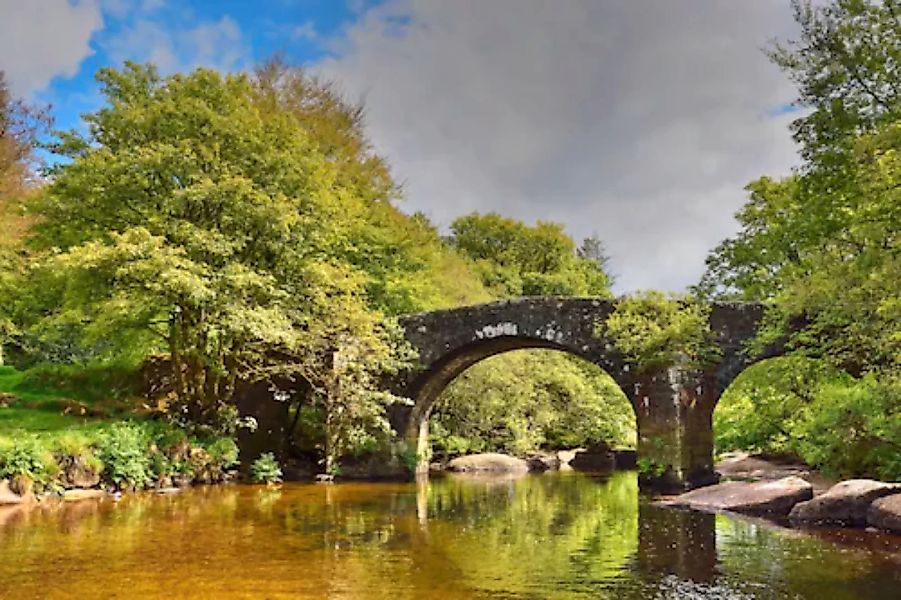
223	453
807	408
25	456
123	451
515	259
653	331
759	409
822	246
265	469
854	430
529	400
846	64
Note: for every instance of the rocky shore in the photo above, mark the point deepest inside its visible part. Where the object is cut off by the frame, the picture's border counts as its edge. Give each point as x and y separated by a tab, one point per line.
792	493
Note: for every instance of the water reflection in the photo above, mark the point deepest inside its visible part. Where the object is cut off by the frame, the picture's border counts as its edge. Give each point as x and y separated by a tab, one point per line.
554	535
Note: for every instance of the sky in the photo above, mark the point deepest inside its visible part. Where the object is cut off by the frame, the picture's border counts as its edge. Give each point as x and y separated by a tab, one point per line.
640	122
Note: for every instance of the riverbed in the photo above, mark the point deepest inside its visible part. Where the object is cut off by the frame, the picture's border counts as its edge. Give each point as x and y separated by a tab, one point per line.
554	535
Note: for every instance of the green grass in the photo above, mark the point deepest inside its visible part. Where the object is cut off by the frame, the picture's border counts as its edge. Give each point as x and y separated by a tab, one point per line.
42	408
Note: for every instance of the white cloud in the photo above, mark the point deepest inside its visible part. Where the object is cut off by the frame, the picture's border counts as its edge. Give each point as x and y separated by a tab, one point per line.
217	44
641	121
43	39
306	31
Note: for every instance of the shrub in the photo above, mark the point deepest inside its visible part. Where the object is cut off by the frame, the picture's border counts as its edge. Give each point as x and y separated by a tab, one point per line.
124	450
26	457
223	453
265	469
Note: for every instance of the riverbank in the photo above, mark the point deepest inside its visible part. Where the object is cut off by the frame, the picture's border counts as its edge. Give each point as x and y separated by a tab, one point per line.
790	493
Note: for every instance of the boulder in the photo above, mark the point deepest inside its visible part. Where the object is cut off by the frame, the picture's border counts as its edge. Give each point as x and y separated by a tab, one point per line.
8	496
599	458
759	498
885	513
543	462
845	503
625	459
77	472
489	462
79	494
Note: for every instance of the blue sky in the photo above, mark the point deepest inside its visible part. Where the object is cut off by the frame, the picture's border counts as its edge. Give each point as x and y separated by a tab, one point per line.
640	122
225	34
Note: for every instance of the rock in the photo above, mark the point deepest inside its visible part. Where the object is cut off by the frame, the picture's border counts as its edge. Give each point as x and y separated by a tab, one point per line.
21	485
598	458
564	456
760	498
182	481
78	473
325	478
497	463
8	496
845	503
885	513
625	459
543	462
168	490
80	494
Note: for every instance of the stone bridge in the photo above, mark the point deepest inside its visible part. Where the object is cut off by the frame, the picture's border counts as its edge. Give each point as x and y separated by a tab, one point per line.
673	406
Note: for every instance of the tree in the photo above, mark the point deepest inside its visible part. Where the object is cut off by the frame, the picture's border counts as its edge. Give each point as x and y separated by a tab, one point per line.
847	65
409	267
822	246
192	220
515	259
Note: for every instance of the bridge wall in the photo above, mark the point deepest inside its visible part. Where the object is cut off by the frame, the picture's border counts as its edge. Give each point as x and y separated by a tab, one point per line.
673	406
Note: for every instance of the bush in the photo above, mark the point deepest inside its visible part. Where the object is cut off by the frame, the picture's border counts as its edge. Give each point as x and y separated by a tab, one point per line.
265	469
844	426
124	450
26	457
854	430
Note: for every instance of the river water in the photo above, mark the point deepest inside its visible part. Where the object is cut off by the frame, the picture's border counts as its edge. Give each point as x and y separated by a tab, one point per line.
555	535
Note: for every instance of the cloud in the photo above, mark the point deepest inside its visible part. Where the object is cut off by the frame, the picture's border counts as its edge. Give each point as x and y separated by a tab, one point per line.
171	47
306	31
45	39
638	121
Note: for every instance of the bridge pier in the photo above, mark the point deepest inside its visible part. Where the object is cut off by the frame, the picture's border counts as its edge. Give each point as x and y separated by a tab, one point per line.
674	410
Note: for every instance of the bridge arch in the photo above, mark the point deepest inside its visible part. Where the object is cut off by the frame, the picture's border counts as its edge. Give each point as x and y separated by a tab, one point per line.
673	406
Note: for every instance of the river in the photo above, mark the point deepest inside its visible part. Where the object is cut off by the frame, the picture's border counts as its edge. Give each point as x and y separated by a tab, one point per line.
557	535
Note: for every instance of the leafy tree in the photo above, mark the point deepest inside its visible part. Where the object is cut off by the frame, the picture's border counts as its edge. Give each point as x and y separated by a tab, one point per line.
653	331
194	219
525	401
822	245
847	65
410	269
515	259
20	126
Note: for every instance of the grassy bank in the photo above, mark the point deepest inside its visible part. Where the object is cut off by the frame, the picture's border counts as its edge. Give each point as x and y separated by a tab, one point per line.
58	430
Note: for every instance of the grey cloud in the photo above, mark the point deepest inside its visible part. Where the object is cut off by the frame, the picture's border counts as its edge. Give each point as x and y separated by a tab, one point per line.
641	121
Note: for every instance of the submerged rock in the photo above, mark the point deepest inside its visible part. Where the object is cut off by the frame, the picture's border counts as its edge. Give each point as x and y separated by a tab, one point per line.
493	462
760	498
845	503
885	513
